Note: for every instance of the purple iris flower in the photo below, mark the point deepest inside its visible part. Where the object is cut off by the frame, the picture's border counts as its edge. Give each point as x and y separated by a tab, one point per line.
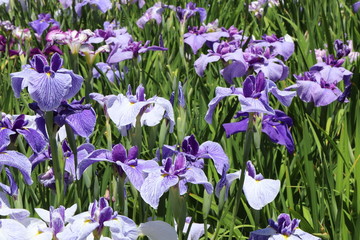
284	228
342	50
48	85
169	175
100	215
258	191
197	36
276	126
20	125
153	12
13	158
320	84
48	178
48	50
253	97
183	14
194	153
130	51
102	5
225	51
55	220
263	59
66	3
127	164
283	46
123	110
42	23
80	117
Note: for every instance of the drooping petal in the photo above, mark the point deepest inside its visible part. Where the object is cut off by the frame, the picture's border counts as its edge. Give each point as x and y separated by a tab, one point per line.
158	230
95	156
220	93
235	127
12	229
76	82
260	193
194	41
15	213
48	91
155	185
12	189
233	70
34	138
82	123
19	161
214	151
249	104
20	80
122	227
285	97
5	134
201	63
196	175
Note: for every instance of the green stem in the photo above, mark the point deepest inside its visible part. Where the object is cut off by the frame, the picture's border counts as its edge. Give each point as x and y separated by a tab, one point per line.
58	166
247	149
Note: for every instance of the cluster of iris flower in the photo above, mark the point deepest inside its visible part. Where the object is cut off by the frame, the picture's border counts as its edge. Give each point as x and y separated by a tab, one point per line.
261	64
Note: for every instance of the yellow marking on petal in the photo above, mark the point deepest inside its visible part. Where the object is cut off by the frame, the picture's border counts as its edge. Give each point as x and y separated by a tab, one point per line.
274	127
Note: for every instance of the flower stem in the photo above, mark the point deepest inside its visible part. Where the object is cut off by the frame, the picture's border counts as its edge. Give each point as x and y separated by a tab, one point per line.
58	166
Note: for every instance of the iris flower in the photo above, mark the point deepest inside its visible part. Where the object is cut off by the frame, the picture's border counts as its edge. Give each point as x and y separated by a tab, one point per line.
42	23
124	110
102	5
180	172
48	84
284	228
258	191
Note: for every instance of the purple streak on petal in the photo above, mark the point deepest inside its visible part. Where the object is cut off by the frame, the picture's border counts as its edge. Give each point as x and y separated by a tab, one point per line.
36	140
5	134
155	185
39	62
220	93
19	161
82	123
214	151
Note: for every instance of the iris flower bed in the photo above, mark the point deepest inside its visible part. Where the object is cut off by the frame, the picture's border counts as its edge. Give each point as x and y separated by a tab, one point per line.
167	120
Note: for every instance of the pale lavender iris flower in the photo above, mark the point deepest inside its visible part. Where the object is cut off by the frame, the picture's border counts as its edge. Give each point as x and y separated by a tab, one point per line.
225	51
258	191
127	164
194	153
180	172
153	12
48	85
124	110
284	228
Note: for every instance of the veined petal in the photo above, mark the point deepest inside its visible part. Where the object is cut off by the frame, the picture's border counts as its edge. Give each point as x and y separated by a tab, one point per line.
12	229
119	56
19	161
155	185
79	229
196	175
220	93
214	151
122	227
158	230
254	105
82	123
95	156
260	193
20	80
5	134
49	91
76	82
201	63
34	138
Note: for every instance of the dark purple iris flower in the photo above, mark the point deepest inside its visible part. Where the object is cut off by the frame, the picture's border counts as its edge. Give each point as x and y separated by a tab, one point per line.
35	139
126	164
132	50
183	14
42	23
276	126
284	228
226	51
48	85
194	153
179	172
4	45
